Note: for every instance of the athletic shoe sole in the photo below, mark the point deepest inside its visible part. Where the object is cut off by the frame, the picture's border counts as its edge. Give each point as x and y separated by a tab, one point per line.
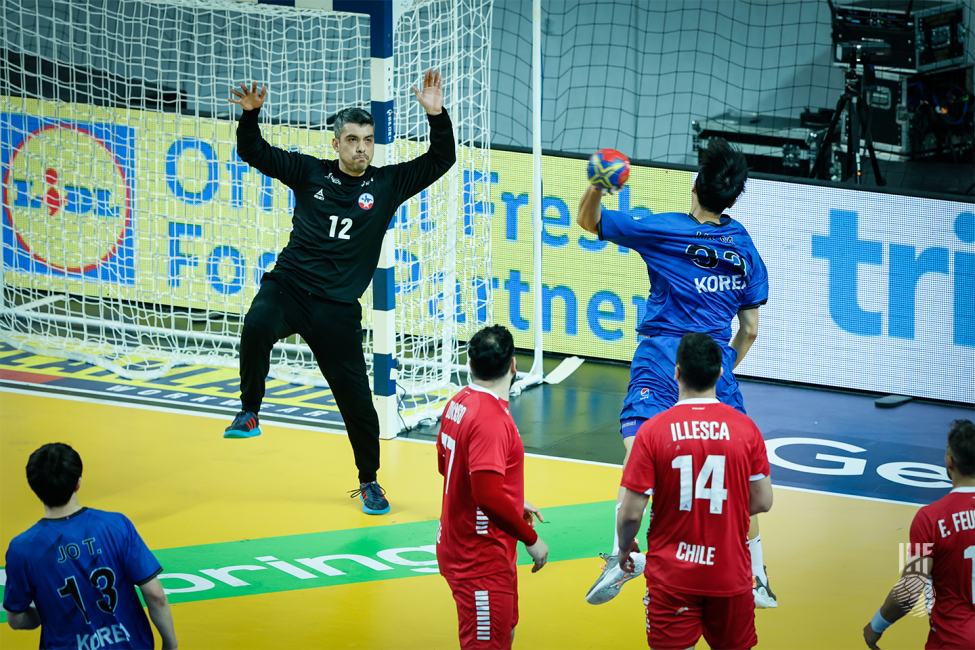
237	433
370	511
610	583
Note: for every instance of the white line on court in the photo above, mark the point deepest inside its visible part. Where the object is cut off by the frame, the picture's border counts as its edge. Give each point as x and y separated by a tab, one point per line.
269	419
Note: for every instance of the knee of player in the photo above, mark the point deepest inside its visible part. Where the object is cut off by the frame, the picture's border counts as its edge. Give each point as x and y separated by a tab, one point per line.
260	324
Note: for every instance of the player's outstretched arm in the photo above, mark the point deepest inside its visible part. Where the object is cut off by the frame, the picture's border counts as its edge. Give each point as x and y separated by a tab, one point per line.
900	600
628	524
412	176
747	332
159	612
289	167
590	207
26	620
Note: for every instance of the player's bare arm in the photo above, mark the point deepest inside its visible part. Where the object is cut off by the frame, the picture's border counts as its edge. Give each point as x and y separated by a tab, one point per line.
628	524
248	99
590	207
26	620
159	612
760	496
747	332
431	95
901	598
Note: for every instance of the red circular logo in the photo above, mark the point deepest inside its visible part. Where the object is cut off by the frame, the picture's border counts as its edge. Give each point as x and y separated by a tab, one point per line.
366	201
66	197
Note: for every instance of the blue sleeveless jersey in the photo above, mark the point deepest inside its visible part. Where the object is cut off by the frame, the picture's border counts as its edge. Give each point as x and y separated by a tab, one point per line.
81	572
701	274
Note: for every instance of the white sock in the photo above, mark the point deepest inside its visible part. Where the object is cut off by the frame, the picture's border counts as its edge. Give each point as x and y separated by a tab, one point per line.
758	564
616	536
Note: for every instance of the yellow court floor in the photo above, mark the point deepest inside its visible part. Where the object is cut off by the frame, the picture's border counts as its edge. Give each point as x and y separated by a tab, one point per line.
202	503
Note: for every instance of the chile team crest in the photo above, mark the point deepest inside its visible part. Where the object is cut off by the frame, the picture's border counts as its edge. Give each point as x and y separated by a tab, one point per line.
366	201
68	197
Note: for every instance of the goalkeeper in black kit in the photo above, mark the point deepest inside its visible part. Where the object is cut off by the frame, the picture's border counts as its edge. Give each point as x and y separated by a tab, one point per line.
342	210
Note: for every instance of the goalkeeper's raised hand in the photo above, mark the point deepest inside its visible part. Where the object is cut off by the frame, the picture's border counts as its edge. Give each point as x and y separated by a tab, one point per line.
248	99
431	97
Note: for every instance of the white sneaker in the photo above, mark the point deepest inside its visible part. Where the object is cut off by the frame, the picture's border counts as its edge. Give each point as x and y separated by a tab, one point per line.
613	578
764	598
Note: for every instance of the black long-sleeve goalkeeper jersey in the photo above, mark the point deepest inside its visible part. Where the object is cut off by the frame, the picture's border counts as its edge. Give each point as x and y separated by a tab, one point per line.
340	220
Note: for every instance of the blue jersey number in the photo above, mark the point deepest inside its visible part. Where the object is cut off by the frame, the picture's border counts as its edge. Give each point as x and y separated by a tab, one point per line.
102	579
707	258
70	588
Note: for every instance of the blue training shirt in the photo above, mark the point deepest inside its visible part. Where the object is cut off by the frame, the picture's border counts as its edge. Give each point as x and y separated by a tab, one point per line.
701	274
81	572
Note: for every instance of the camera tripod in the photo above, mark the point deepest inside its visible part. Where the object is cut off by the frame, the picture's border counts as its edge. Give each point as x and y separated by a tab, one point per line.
854	101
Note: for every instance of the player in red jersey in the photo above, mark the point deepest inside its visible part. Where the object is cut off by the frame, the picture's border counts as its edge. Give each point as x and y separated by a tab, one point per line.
705	465
942	547
484	513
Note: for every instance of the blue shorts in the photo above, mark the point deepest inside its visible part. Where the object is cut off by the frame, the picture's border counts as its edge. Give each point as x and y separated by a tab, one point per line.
652	387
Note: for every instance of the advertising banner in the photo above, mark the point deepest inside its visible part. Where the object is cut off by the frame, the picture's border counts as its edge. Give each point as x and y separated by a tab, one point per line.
867	291
148	207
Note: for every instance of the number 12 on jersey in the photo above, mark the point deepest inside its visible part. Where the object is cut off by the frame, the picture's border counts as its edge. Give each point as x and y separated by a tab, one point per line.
346	224
713	469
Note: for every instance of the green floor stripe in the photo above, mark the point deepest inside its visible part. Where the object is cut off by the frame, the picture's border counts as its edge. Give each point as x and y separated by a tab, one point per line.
225	570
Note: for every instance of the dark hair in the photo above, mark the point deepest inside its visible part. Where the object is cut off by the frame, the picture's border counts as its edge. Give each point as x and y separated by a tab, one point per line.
721	175
490	352
347	115
53	472
961	446
699	358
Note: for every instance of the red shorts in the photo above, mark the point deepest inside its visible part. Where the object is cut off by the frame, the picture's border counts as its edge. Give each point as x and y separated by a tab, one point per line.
487	609
676	621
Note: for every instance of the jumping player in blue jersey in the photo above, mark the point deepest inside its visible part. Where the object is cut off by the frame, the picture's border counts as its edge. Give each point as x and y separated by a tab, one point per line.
75	571
704	270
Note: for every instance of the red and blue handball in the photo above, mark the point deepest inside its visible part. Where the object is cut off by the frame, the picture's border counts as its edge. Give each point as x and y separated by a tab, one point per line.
608	169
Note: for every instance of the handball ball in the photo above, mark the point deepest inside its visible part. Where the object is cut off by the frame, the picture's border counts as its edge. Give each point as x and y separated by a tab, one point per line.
608	168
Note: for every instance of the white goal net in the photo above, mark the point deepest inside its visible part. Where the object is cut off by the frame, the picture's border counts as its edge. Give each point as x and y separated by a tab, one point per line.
134	237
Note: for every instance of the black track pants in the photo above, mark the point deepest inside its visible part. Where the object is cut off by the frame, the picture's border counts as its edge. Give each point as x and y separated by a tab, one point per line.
333	331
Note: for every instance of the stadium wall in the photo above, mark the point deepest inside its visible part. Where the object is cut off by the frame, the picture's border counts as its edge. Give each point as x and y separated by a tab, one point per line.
869	291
